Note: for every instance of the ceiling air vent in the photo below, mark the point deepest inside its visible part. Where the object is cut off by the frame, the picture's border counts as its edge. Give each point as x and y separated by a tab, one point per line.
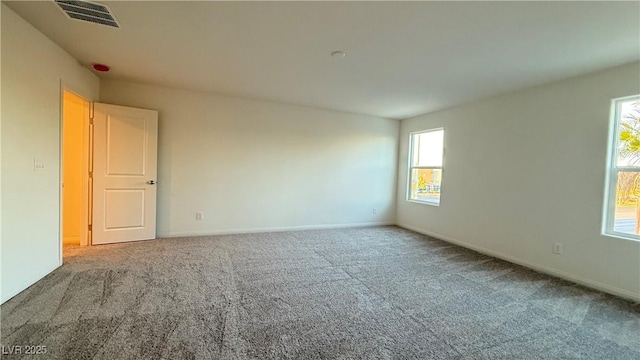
87	11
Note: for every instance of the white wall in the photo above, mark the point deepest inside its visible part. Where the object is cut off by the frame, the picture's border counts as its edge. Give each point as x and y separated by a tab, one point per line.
255	166
32	70
525	170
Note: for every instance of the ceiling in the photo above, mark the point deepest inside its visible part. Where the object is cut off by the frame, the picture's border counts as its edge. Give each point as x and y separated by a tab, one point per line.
403	58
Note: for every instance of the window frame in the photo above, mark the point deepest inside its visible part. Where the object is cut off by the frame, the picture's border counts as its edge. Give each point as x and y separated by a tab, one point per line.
410	166
611	181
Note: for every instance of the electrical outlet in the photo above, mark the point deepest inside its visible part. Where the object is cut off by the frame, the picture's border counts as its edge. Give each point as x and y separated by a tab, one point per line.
557	248
199	215
375	211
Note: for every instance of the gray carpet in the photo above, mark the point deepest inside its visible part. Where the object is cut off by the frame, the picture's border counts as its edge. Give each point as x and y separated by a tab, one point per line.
368	293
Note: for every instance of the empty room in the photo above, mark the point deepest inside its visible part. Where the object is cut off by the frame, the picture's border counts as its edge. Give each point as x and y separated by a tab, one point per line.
320	180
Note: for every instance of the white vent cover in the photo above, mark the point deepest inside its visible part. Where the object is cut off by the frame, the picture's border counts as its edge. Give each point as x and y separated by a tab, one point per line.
87	11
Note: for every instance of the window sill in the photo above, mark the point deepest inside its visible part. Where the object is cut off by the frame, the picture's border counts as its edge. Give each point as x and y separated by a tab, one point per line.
621	236
431	203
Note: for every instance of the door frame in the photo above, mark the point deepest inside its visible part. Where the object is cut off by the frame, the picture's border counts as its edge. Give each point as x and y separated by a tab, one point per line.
85	238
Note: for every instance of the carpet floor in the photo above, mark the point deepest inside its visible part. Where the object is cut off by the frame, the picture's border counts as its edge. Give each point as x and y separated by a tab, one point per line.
362	293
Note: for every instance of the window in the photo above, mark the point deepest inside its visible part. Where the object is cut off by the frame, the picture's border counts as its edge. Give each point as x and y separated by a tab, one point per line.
622	208
426	151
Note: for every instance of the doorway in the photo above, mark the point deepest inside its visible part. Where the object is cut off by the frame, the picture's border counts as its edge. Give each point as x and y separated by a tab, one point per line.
76	159
116	201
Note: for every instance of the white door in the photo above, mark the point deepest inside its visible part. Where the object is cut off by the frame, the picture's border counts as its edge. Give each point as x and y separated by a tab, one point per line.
124	173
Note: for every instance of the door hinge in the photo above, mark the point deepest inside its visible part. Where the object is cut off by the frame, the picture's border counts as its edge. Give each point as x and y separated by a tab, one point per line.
90	174
90	227
91	113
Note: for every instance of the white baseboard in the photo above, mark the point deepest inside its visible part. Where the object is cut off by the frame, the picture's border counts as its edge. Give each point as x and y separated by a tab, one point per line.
544	269
272	229
8	294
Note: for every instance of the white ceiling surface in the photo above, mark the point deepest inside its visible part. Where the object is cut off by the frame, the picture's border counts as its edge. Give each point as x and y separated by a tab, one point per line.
403	58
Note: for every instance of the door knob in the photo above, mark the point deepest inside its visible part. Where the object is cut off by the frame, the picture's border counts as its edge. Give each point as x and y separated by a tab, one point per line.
151	182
